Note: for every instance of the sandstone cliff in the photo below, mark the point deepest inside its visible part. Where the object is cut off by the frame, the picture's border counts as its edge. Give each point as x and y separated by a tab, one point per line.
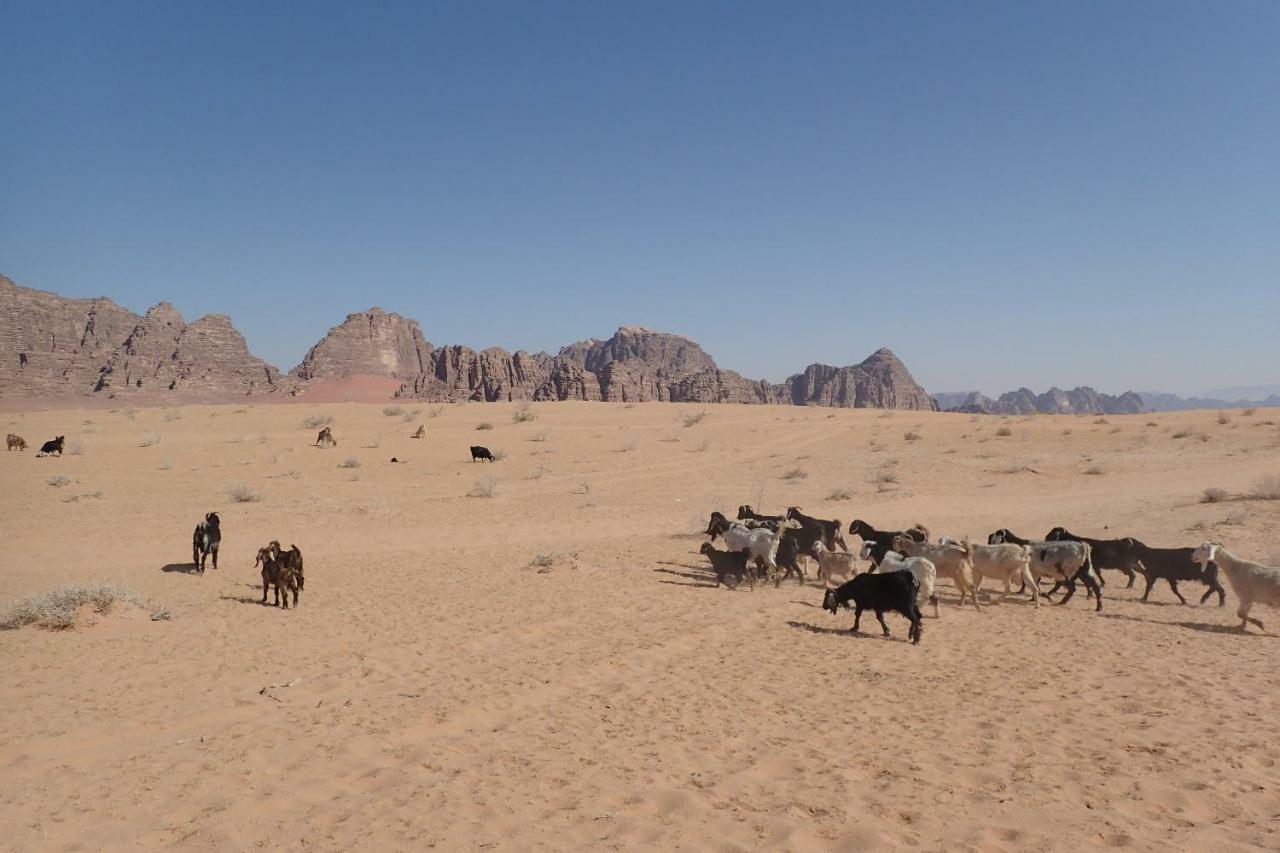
1078	401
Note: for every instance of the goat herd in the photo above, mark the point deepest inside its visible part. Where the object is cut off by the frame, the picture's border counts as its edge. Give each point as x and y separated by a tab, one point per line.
280	568
903	566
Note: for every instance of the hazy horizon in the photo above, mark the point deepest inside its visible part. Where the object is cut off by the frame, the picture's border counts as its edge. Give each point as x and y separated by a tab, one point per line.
1004	194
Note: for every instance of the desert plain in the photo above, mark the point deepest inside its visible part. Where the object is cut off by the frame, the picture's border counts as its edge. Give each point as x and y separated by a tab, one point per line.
532	655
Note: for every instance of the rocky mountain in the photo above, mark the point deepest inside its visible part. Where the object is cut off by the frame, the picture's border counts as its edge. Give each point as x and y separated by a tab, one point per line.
1158	402
1082	400
54	346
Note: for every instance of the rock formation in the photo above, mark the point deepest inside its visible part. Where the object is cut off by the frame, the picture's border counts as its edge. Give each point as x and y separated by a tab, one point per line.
1078	401
369	343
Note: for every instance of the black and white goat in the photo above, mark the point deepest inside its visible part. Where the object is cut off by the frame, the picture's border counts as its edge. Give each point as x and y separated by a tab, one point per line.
206	540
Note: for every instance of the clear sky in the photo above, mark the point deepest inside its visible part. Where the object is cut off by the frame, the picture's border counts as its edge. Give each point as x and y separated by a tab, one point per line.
1006	194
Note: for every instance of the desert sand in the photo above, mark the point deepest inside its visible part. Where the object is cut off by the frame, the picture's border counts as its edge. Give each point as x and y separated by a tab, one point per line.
446	688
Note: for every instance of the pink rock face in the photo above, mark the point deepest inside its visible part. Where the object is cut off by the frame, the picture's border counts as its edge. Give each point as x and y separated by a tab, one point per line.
370	343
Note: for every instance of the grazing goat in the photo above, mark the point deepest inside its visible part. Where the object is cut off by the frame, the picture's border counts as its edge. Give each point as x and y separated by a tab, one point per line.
726	564
52	446
325	438
834	564
1065	560
1253	583
894	592
420	432
925	573
1004	562
951	561
478	453
206	540
883	539
1115	554
17	442
1177	564
832	531
745	513
278	571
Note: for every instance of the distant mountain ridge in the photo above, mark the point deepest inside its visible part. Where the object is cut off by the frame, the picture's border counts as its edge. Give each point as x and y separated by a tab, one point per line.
52	346
1084	400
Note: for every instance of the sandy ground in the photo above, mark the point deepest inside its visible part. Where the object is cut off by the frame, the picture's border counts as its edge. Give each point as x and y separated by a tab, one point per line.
446	693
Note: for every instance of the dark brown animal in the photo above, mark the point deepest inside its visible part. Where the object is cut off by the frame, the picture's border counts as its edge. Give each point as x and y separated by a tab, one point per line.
422	430
53	445
278	570
325	438
17	442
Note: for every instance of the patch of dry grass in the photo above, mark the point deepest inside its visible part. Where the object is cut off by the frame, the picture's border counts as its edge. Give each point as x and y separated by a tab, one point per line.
57	610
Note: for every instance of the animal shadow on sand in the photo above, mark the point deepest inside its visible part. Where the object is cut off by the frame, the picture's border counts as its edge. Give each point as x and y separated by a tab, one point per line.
703	579
181	568
248	599
845	632
1205	627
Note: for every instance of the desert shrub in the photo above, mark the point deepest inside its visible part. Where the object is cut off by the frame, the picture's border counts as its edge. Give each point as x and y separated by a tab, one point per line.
349	462
1267	488
583	488
173	415
522	415
702	446
151	440
1095	470
376	442
630	443
1152	424
1116	428
795	474
57	610
242	494
671	437
538	436
499	454
166	464
1213	496
60	480
485	487
75	447
484	425
1004	432
393	411
409	417
840	495
131	413
538	473
1224	418
1182	433
912	435
317	421
694	418
1249	412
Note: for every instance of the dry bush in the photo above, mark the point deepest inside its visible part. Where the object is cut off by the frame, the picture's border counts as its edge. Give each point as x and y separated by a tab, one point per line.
485	487
1213	496
1224	418
1102	421
151	440
884	477
1249	412
538	473
173	415
376	443
840	495
702	446
1152	424
912	435
1116	428
166	464
1004	432
584	488
499	455
393	411
57	610
241	493
75	447
484	425
316	421
350	462
523	415
795	474
409	417
435	411
1267	488
60	480
538	436
1095	470
630	443
694	418
1182	433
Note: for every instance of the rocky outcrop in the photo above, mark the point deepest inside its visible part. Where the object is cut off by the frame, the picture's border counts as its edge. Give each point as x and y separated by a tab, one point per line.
1078	401
882	381
368	343
53	346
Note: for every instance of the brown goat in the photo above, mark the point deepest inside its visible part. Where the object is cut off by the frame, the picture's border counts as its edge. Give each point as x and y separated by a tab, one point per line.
17	442
325	438
278	572
422	430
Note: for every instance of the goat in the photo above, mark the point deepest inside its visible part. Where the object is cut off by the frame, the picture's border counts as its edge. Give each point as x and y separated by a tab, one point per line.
951	561
1065	560
1177	564
1251	582
293	557
725	564
833	563
52	446
478	453
761	543
745	513
17	442
894	592
278	570
205	541
420	432
1115	554
832	531
883	539
325	438
925	573
1004	562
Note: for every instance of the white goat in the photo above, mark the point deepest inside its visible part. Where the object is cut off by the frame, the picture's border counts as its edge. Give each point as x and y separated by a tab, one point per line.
924	571
1004	563
835	564
951	561
1253	583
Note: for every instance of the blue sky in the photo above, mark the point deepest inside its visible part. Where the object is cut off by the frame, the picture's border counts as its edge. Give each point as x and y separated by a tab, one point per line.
1004	193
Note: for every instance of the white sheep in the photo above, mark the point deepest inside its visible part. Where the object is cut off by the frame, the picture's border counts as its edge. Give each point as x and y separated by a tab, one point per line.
1251	582
924	571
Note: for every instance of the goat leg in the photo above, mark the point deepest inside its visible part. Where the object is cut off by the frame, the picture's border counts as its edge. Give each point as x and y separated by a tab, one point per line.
1092	586
880	619
1071	590
857	617
1173	585
1151	581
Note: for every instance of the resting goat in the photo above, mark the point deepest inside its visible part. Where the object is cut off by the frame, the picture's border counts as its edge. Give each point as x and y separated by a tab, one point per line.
894	592
726	564
951	561
925	573
1066	561
1177	564
1115	554
1253	583
206	540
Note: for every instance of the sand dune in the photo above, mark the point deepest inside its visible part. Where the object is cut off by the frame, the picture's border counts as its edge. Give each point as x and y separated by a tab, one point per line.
444	692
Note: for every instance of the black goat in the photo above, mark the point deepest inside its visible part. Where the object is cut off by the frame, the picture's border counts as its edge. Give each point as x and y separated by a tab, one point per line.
726	564
1114	554
832	531
745	512
206	540
882	540
478	453
1175	564
52	446
894	592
